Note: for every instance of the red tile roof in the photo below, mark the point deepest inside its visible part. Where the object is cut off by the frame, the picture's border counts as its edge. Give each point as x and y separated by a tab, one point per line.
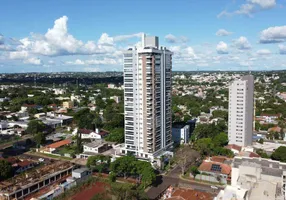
59	144
85	131
103	133
249	154
219	159
190	194
24	163
233	146
274	129
207	167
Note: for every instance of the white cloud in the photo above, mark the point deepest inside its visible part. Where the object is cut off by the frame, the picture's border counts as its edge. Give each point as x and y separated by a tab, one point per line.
170	38
120	38
264	52
1	39
57	41
282	49
242	43
223	32
105	61
105	40
265	4
18	55
174	39
33	61
252	6
221	48
273	35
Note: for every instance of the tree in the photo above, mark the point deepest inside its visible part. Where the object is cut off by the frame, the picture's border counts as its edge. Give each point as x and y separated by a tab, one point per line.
84	118
40	138
148	177
124	165
220	139
112	177
262	153
99	163
194	171
35	126
279	154
116	135
78	143
185	156
261	141
204	146
5	169
220	114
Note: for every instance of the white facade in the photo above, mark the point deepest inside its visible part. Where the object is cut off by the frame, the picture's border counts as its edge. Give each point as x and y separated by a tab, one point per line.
264	179
240	120
147	93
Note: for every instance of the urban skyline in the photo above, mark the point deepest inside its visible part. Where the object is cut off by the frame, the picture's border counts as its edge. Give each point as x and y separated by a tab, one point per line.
208	35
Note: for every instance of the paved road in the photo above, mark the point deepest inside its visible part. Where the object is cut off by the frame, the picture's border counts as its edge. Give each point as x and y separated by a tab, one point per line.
175	175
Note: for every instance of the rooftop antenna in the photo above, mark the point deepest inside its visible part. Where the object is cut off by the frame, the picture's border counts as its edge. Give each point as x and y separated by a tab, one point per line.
249	69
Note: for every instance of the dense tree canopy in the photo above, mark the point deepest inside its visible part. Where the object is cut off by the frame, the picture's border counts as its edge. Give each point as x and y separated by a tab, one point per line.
279	154
129	165
5	169
35	126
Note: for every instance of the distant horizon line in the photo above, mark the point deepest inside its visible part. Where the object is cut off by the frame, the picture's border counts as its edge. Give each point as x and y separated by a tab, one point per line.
122	71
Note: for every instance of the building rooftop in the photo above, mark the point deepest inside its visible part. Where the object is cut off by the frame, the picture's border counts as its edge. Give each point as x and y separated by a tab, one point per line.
233	146
95	143
216	167
268	166
59	144
81	170
30	178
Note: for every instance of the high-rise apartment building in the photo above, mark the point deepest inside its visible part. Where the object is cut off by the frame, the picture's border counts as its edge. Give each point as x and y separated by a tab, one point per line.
240	120
147	99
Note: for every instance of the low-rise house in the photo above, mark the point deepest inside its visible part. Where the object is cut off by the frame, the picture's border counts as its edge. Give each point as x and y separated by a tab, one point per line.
54	146
23	166
276	129
68	104
94	148
214	172
90	134
26	107
234	148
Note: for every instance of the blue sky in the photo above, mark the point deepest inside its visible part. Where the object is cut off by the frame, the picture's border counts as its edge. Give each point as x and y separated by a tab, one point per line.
90	35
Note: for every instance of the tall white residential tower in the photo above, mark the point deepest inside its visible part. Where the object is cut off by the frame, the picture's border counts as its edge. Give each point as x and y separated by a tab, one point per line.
147	99
240	120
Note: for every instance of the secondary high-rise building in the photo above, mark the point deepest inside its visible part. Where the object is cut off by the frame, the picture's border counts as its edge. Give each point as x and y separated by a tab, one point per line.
240	120
147	99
